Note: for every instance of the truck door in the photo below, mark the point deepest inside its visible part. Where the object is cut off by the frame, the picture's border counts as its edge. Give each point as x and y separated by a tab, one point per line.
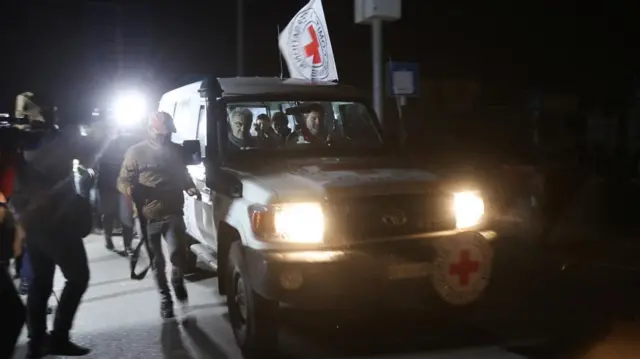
203	209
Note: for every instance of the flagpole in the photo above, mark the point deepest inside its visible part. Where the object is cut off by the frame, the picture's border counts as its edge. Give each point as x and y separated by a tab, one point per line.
240	37
280	56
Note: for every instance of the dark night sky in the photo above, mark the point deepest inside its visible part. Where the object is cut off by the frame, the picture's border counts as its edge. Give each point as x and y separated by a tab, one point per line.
63	50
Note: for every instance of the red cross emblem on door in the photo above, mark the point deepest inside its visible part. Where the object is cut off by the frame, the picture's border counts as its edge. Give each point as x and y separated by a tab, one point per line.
464	268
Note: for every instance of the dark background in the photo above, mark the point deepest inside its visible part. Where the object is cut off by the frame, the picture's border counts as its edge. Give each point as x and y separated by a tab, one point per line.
70	50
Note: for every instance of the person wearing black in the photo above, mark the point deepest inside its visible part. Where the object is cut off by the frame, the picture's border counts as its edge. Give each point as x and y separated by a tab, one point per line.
113	204
280	125
312	127
55	219
13	311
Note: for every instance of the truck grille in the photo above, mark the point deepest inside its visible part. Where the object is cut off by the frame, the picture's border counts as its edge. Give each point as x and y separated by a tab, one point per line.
391	215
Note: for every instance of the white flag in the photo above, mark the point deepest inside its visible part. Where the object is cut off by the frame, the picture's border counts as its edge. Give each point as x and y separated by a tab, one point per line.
306	47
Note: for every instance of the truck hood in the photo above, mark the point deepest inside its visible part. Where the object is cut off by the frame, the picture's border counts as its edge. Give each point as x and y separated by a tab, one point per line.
296	180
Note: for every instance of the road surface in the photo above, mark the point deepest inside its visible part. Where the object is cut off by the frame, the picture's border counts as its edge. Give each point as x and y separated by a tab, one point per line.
119	318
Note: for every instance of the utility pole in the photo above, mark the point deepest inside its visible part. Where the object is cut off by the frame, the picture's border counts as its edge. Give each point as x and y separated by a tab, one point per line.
376	44
374	12
240	37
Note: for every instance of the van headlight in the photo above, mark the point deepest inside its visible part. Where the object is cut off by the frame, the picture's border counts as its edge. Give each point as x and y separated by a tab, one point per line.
468	208
302	222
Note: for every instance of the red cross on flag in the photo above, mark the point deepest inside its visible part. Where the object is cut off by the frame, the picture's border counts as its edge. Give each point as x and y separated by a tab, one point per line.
306	47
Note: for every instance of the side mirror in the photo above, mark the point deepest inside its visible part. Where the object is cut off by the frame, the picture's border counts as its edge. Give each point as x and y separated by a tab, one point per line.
191	152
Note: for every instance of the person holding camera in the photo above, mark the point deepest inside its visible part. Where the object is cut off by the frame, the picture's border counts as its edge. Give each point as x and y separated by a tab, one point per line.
56	219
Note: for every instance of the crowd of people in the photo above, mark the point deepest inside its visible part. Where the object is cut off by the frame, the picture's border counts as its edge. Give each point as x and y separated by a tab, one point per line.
44	217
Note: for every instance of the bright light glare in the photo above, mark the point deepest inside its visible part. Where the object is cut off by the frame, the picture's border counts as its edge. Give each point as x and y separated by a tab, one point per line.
468	208
130	109
300	222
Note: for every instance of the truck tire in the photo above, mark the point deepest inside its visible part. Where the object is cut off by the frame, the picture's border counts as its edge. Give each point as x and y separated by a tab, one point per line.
254	319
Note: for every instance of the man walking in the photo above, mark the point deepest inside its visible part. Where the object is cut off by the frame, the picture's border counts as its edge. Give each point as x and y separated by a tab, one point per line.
113	204
56	219
154	175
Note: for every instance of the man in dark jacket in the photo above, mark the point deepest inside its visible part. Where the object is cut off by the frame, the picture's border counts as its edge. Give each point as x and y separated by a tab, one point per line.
55	223
113	204
154	175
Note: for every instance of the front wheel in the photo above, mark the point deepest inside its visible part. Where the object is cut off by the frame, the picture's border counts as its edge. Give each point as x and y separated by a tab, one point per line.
254	319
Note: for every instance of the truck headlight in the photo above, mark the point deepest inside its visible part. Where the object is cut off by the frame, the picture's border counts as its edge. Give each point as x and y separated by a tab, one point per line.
289	222
468	208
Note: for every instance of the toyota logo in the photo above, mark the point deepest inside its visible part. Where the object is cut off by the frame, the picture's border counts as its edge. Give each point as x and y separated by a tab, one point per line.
394	218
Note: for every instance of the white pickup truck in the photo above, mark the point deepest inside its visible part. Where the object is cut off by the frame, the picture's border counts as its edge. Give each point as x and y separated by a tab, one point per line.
303	204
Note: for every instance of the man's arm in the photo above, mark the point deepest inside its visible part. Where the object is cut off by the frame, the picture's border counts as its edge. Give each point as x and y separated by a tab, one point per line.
128	177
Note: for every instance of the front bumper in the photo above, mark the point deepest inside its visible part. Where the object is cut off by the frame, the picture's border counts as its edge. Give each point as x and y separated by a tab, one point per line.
376	271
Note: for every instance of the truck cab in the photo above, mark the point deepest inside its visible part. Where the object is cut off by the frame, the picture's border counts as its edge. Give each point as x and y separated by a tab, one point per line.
304	204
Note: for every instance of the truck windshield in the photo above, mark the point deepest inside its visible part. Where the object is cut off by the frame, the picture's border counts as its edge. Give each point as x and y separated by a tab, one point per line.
286	126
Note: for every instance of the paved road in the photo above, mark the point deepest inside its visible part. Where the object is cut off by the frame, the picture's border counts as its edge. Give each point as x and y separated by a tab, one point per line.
119	318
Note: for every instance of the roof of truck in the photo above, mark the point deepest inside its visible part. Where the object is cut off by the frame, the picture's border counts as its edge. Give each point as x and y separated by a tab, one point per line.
255	86
183	91
239	86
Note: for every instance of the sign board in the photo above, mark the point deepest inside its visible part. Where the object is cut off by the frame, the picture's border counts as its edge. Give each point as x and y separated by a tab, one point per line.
403	79
367	11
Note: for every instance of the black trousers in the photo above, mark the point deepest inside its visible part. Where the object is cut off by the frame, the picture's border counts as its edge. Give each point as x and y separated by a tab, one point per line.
173	231
46	252
17	264
13	313
113	206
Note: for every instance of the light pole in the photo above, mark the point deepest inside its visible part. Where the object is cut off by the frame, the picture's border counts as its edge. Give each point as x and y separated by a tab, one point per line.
374	12
240	38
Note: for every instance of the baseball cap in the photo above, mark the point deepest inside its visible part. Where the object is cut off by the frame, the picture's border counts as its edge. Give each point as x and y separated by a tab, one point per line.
161	123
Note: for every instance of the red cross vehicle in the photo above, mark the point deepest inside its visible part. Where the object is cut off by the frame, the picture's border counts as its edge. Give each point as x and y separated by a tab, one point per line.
304	205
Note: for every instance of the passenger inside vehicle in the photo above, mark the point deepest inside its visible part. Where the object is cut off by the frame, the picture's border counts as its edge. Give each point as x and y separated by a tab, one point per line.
262	124
311	118
280	124
295	125
239	125
265	135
